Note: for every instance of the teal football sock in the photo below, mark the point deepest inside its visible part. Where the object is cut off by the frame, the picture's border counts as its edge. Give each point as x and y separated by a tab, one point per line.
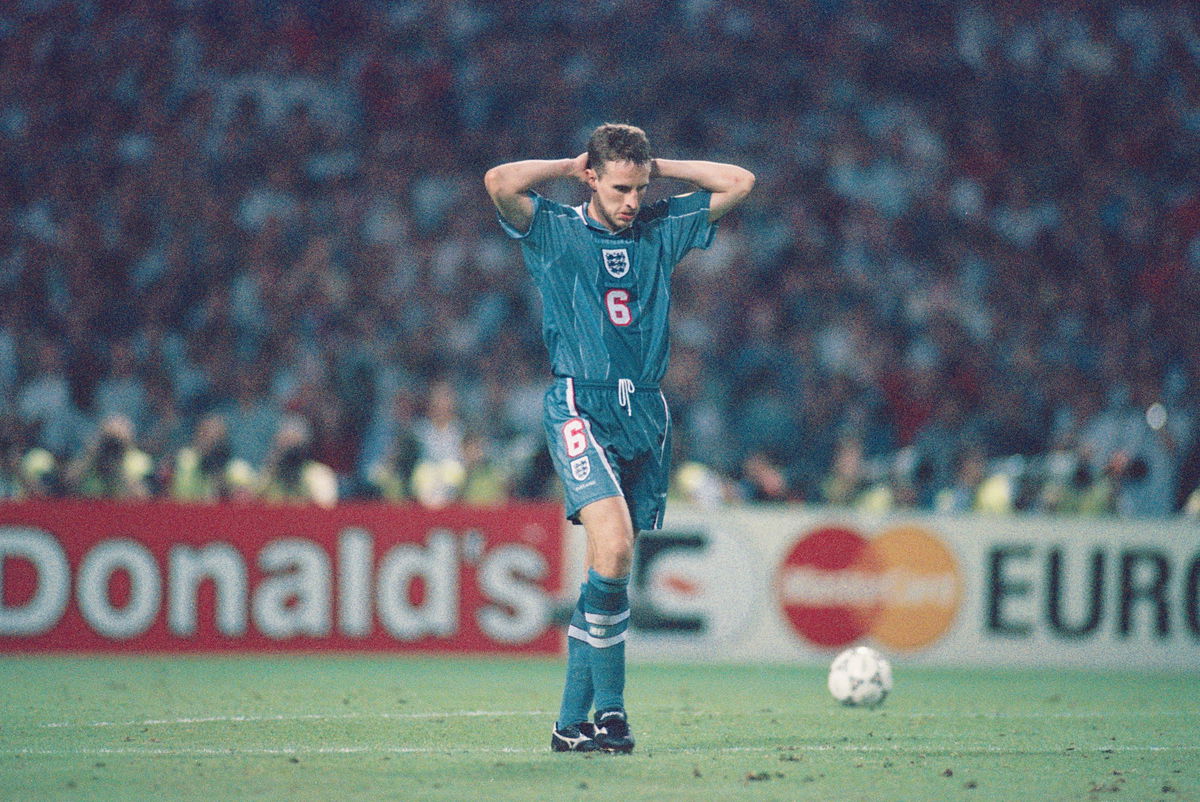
577	692
606	614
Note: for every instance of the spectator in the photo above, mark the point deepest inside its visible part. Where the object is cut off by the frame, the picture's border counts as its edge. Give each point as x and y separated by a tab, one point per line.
290	474
24	472
439	431
121	390
487	482
1146	460
763	480
206	470
849	477
440	473
111	466
252	418
970	473
45	401
391	450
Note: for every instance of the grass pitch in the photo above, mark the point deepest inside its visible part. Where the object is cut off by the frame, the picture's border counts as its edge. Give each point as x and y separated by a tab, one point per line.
322	727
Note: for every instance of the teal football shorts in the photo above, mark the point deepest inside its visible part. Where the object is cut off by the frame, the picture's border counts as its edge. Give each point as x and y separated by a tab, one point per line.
610	439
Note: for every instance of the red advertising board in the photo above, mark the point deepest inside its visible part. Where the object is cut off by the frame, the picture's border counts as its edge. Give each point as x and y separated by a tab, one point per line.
158	577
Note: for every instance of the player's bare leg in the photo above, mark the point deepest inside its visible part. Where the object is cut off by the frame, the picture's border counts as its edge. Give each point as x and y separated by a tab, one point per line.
595	646
610	539
610	536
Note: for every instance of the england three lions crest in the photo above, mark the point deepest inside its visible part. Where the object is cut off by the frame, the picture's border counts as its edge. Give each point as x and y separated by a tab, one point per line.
616	261
581	468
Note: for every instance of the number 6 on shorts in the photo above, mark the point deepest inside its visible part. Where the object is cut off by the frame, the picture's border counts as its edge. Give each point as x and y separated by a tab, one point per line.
574	434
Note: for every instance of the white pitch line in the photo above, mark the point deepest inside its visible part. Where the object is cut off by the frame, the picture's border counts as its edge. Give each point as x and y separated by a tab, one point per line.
242	719
424	750
256	719
1059	715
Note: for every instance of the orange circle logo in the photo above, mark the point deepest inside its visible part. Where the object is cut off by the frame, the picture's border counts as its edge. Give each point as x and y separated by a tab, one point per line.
902	588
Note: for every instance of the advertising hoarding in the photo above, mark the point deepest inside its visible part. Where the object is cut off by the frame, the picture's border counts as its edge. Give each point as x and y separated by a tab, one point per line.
96	576
800	583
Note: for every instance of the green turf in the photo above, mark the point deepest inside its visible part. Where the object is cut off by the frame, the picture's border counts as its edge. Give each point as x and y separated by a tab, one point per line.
407	728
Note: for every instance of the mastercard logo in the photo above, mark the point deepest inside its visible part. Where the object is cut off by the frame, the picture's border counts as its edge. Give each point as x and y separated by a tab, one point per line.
902	588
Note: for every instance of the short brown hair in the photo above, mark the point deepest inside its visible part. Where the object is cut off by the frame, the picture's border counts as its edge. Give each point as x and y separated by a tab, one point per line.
617	142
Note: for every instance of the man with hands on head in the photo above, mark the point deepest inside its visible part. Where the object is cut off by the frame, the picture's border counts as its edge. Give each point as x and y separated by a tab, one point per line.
603	271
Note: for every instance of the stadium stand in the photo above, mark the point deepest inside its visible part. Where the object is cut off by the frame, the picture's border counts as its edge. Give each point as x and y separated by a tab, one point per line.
969	277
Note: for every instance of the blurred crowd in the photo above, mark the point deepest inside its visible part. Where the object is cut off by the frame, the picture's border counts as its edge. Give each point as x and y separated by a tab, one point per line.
245	250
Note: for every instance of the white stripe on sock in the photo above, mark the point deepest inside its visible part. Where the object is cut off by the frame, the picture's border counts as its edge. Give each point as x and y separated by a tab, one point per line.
597	618
599	643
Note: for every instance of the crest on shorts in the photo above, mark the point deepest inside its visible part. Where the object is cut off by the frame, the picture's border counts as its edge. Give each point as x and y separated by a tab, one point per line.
616	261
581	468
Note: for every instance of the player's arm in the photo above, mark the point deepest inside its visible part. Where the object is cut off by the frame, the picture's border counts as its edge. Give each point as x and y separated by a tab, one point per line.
728	183
509	184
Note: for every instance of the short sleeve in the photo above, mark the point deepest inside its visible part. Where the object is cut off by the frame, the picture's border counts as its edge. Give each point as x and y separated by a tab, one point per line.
512	232
687	217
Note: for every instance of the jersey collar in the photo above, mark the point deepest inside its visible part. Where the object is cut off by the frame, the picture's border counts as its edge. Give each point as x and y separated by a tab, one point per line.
581	210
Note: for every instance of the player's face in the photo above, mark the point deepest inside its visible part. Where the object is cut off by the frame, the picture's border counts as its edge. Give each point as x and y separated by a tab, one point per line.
617	192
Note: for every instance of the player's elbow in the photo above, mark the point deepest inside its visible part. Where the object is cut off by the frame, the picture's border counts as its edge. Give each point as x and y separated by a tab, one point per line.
740	183
491	181
496	182
743	183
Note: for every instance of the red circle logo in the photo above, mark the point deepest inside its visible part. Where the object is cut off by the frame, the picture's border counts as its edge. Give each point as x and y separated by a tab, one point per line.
903	588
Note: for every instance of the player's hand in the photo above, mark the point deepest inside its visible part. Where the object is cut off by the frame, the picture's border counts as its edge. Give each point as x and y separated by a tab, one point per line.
579	167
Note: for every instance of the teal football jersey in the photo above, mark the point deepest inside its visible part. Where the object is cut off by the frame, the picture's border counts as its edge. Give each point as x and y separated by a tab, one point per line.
606	296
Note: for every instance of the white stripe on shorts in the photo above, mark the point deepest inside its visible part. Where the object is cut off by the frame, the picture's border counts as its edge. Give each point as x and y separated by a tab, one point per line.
571	398
587	424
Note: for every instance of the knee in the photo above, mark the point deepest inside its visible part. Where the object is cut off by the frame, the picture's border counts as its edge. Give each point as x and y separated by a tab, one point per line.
614	553
610	536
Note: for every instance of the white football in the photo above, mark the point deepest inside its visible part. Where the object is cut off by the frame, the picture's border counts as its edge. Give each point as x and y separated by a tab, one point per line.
860	676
